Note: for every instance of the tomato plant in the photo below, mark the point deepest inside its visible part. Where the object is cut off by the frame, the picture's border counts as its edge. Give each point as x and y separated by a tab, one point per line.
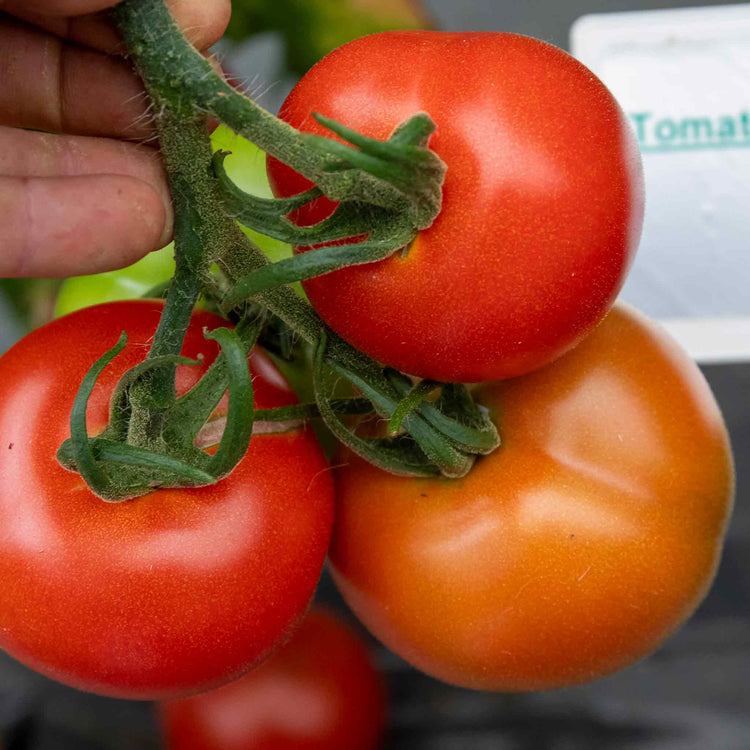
319	691
168	593
542	201
572	551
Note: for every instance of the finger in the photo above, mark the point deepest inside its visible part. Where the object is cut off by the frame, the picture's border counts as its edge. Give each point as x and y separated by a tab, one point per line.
95	30
133	176
66	7
202	21
25	153
52	85
68	226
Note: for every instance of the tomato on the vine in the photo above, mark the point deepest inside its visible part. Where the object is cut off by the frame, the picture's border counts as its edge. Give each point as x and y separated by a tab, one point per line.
169	593
576	548
320	690
542	201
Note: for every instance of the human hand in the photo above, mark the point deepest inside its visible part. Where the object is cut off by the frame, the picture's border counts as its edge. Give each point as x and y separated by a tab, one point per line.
89	193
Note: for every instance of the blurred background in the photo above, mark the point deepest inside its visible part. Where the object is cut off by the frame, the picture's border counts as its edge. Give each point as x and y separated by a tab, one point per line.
683	77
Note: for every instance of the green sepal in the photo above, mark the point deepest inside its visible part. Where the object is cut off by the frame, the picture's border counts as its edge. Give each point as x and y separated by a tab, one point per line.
131	455
440	450
253	207
455	415
85	460
235	439
402	161
358	406
191	411
268	216
403	147
119	405
401	456
409	402
309	264
385	232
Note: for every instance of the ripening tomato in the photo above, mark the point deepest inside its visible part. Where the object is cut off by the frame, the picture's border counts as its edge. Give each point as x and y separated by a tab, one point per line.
576	548
319	691
169	593
542	202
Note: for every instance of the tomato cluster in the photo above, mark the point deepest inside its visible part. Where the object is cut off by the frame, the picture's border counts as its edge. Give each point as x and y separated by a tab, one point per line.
573	550
595	530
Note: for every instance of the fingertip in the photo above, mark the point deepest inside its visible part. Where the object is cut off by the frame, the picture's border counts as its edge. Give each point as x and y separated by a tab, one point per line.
135	220
202	21
167	230
129	219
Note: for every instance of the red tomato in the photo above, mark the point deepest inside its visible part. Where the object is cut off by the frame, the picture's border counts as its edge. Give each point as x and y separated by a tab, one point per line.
319	691
575	549
172	592
542	203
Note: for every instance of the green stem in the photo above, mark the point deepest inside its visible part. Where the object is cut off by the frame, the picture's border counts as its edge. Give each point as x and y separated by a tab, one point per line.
200	233
405	178
169	58
188	157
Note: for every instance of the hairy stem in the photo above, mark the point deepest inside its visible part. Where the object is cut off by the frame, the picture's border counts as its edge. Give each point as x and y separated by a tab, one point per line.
179	74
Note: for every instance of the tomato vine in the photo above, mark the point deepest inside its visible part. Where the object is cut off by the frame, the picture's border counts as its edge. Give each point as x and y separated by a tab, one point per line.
387	192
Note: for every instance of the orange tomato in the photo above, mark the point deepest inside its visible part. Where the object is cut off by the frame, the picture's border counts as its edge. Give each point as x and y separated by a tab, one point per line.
575	549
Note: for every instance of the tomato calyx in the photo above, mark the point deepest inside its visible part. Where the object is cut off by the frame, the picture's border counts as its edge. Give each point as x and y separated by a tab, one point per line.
441	438
123	462
376	225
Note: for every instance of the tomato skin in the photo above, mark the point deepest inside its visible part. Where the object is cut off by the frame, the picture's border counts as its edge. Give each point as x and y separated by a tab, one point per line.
169	593
542	201
575	549
319	691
